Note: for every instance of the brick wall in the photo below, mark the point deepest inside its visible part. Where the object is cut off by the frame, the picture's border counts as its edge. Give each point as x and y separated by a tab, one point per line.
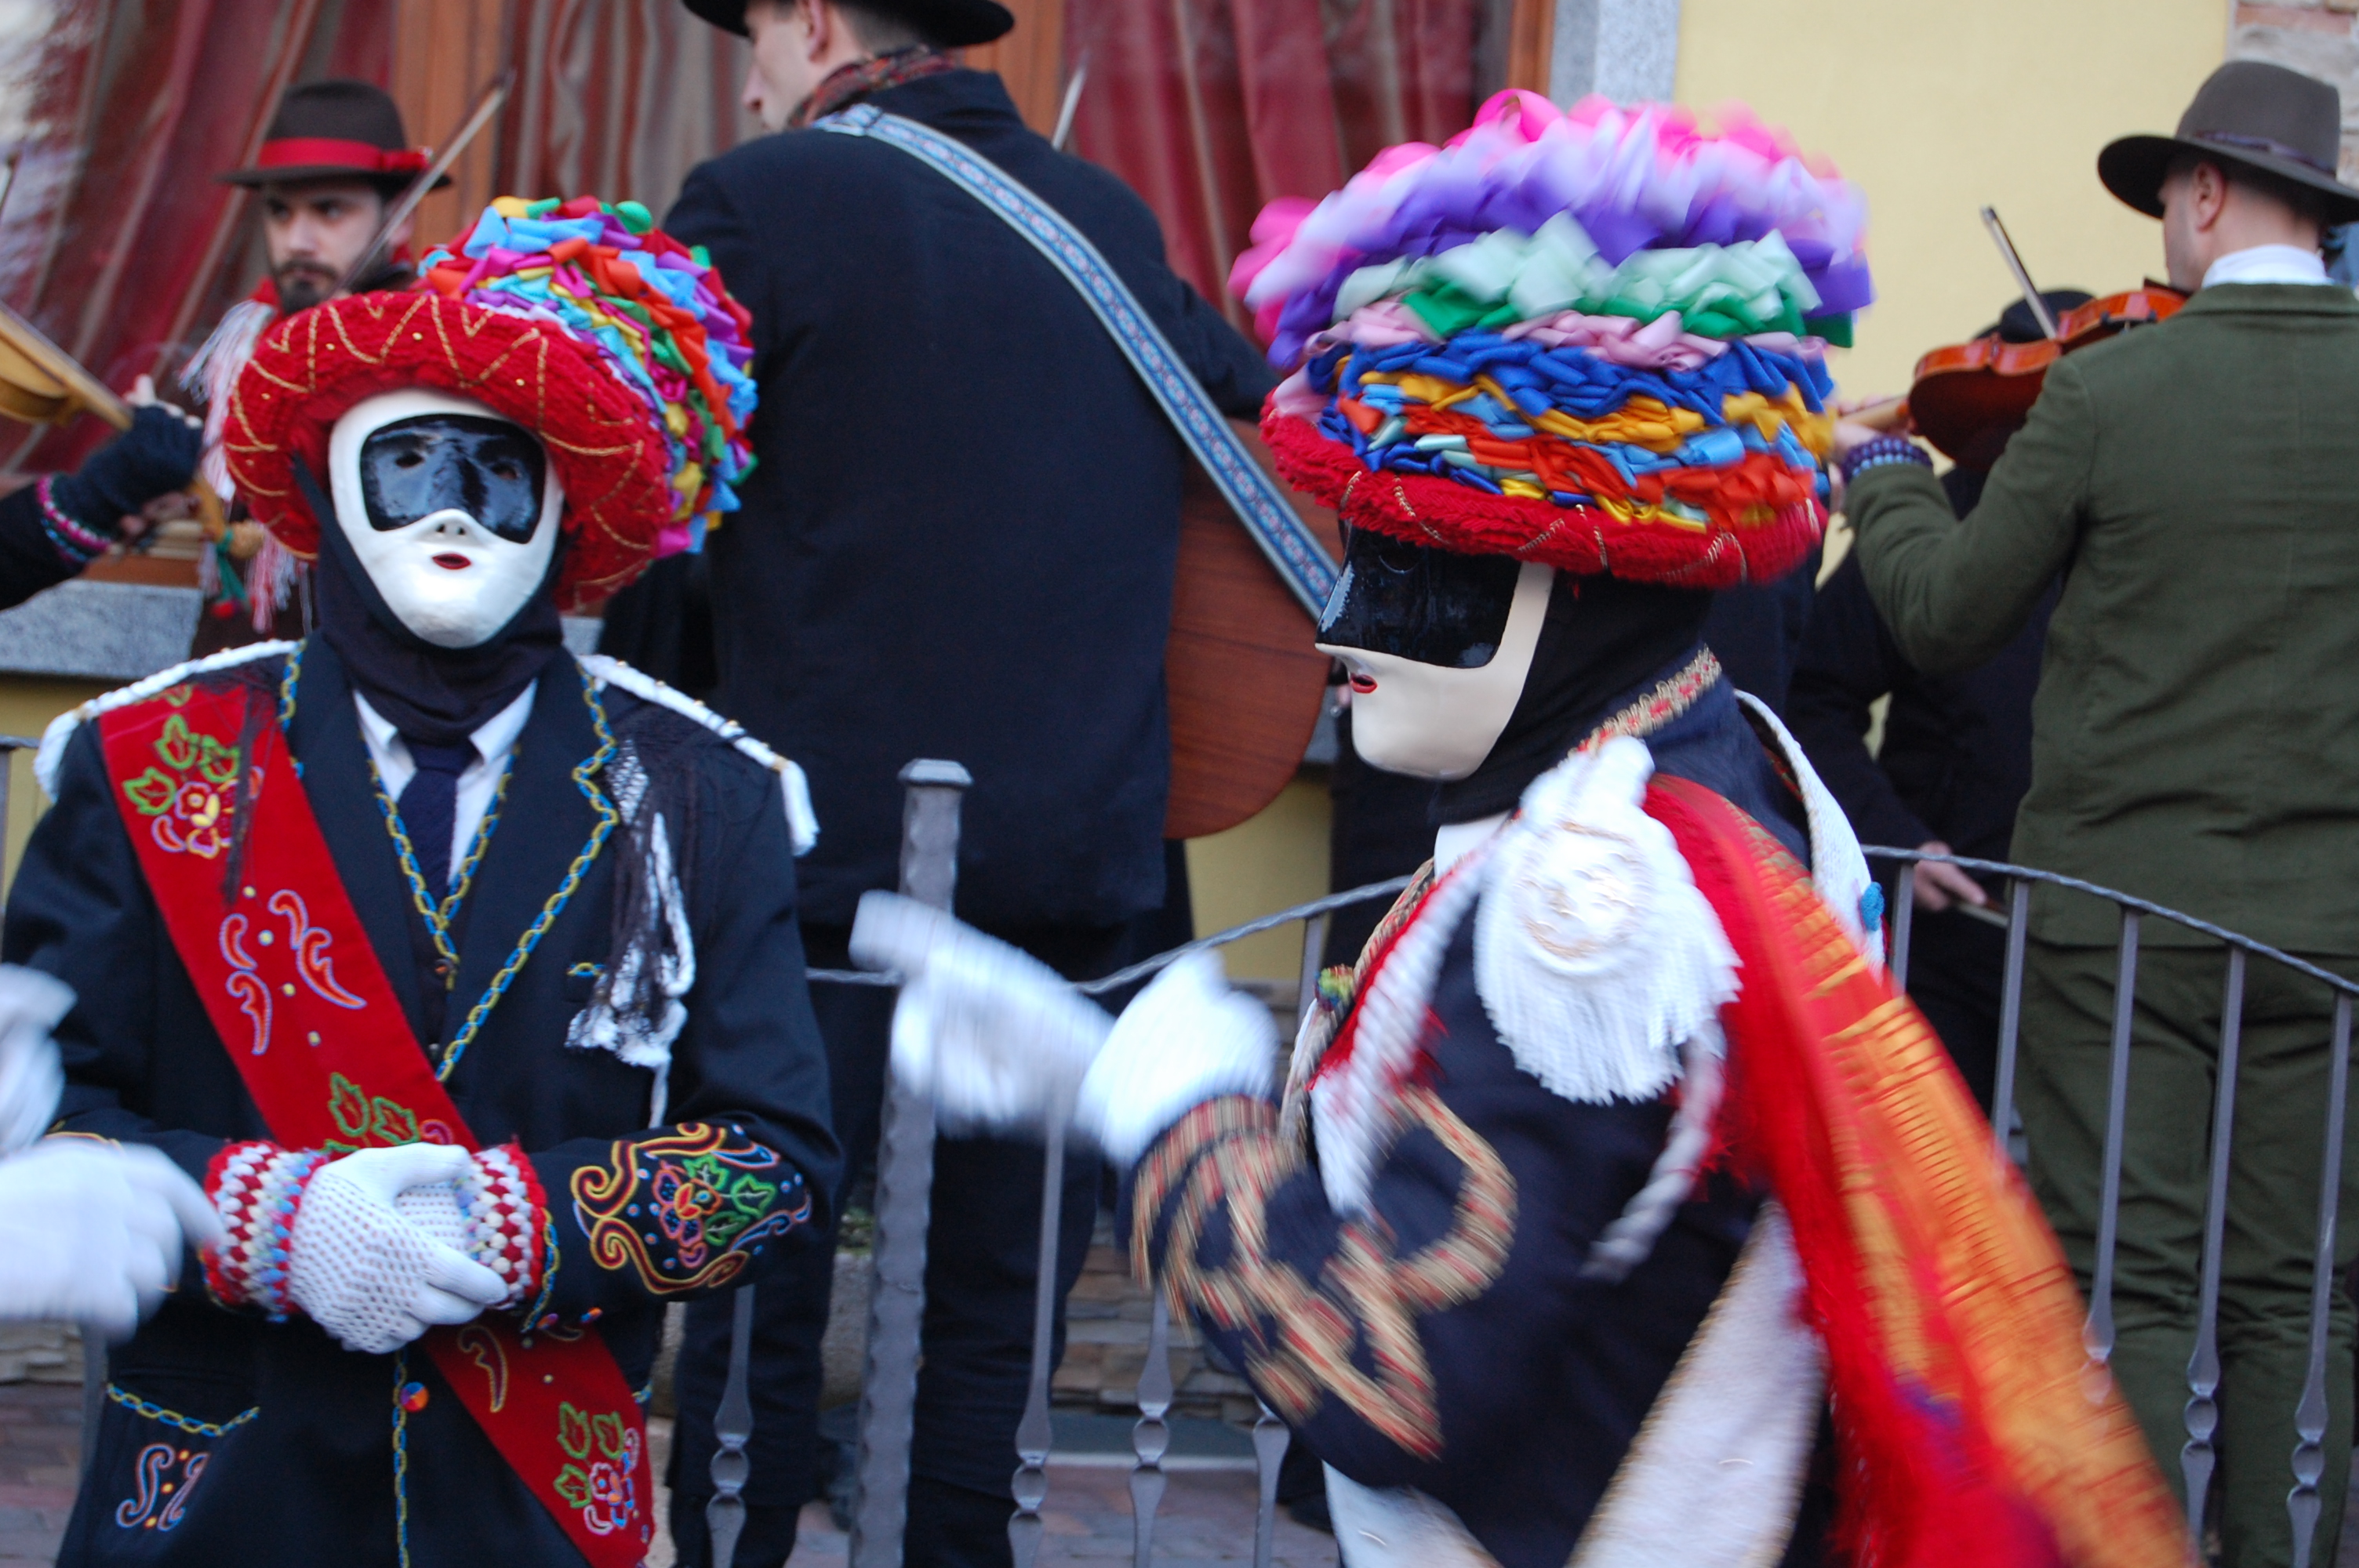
2317	37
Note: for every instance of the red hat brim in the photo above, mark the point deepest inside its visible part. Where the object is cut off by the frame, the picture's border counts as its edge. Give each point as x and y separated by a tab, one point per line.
311	369
1584	540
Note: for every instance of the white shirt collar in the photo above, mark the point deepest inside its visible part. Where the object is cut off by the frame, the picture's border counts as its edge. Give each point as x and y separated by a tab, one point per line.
492	738
2268	264
1457	839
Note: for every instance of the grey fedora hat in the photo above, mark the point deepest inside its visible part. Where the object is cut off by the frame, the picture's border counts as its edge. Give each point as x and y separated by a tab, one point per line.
2262	117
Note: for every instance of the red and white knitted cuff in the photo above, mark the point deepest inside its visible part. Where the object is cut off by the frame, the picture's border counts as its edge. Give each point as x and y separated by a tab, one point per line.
505	1211
257	1188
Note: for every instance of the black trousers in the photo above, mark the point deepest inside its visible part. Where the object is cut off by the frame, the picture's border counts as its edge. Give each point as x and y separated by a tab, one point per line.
982	1259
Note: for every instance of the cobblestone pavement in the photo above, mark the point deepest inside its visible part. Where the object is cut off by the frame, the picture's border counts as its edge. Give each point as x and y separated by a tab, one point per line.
1207	1517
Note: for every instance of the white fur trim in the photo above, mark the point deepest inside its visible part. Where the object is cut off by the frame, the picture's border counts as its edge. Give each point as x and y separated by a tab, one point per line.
1595	955
794	789
1714	1479
52	752
1398	1527
1352	1108
1185	1039
1838	869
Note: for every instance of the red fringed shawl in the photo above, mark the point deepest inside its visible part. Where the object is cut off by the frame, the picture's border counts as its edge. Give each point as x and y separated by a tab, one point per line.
1952	1325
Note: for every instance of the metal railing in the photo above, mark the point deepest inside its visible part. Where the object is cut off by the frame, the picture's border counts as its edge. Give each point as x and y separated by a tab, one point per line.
904	1180
903	1177
2198	1459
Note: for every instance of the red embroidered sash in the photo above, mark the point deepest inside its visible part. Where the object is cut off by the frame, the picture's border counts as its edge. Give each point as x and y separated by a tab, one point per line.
1952	1325
305	1009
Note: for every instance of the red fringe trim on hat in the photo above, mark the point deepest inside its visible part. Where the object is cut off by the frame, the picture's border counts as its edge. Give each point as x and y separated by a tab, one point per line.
1584	540
311	369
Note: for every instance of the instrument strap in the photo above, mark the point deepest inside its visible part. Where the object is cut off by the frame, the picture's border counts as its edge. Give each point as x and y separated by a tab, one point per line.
1302	563
261	921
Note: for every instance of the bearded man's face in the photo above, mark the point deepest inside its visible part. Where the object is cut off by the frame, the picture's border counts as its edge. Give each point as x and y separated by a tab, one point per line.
315	230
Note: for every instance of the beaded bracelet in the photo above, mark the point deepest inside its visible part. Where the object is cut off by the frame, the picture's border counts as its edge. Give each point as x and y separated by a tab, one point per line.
78	543
1881	452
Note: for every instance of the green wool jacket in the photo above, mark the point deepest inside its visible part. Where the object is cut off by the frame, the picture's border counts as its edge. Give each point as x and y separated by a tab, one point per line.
2195	740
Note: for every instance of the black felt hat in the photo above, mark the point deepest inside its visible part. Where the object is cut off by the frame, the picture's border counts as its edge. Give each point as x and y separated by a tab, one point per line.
952	24
336	130
2249	113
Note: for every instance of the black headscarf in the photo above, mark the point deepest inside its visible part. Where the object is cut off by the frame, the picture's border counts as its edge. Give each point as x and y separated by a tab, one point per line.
1603	638
440	695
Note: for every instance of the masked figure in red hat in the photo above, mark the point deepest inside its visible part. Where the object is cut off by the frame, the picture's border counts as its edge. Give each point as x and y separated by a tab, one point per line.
1616	1160
464	974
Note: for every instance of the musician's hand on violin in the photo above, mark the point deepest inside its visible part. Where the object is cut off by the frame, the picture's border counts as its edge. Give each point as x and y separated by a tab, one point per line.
1851	433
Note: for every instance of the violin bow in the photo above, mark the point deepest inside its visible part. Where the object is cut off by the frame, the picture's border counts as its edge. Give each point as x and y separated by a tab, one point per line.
1073	102
2007	251
398	214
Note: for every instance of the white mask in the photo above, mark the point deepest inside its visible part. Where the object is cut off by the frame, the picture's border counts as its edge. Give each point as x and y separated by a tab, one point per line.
446	572
1431	720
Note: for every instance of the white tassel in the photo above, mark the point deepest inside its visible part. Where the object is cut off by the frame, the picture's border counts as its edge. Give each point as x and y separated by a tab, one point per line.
1595	953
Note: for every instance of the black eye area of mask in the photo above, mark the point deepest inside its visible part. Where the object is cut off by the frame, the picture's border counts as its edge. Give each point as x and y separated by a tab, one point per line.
1414	602
489	468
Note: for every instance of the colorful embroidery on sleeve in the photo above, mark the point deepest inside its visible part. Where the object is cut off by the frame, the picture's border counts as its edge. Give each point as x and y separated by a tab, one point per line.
687	1208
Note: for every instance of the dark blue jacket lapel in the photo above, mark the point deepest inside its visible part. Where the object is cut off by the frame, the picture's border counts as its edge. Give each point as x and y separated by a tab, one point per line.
547	823
326	738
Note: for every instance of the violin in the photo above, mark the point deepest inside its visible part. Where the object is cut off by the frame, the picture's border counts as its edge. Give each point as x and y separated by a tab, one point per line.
1969	399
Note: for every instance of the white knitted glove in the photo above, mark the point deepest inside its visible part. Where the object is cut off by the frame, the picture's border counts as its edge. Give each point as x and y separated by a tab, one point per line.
994	1036
1187	1038
31	1003
375	1260
91	1231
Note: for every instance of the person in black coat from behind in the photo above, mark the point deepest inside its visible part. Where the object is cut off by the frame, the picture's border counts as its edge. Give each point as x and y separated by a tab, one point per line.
1956	762
959	544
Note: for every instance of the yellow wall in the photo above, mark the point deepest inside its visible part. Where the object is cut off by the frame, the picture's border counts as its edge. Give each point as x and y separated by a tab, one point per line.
1265	863
27	705
1939	107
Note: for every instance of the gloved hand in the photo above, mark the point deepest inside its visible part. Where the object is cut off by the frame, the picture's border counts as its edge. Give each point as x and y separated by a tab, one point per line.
1188	1037
994	1036
31	1003
157	455
376	1263
91	1231
999	1040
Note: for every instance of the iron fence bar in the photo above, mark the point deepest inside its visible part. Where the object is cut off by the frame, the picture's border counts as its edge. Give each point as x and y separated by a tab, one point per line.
732	1425
2127	902
2097	1334
1317	906
904	1181
1314	947
1163	961
1151	1438
1030	1486
2309	1419
2198	1459
1904	923
2010	1016
1270	1438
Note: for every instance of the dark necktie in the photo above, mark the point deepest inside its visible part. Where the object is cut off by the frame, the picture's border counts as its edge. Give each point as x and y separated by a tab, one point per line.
429	809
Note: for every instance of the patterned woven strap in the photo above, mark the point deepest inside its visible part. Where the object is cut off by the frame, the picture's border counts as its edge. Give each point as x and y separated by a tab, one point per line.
1301	561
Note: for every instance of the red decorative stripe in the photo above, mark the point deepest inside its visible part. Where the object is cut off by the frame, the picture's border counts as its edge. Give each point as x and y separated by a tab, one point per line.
306	152
1583	540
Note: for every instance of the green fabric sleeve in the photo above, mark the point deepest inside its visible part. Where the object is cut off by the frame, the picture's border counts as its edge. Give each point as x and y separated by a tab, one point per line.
1954	591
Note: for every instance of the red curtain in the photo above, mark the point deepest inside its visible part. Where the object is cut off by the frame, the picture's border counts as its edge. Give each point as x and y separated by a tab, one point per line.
619	98
1210	108
116	240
